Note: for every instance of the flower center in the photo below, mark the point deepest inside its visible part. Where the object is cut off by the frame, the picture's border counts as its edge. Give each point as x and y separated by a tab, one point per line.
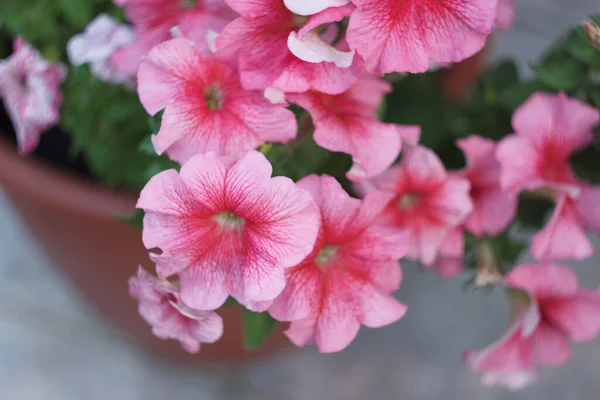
230	220
326	254
213	95
408	201
188	3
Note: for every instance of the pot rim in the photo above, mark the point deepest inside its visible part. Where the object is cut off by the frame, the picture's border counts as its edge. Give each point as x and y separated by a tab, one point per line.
59	188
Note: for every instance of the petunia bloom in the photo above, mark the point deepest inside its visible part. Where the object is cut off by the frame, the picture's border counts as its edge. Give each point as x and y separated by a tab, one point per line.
506	14
102	37
348	278
227	228
548	129
30	89
428	202
277	48
450	260
160	305
206	108
154	19
493	208
555	312
564	235
348	123
407	35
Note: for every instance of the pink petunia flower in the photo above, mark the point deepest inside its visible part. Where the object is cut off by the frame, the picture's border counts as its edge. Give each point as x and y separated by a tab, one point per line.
555	312
154	19
450	260
428	202
160	305
30	89
493	208
348	123
206	108
348	278
277	48
564	235
549	128
227	228
406	35
102	37
506	14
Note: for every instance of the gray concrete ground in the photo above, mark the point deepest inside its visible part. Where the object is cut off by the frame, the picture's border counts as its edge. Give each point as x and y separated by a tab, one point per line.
52	346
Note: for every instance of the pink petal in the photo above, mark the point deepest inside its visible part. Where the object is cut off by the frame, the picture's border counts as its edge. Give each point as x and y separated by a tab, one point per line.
493	211
379	309
301	332
588	207
519	160
557	118
506	14
563	236
337	325
544	280
550	346
389	34
301	297
578	316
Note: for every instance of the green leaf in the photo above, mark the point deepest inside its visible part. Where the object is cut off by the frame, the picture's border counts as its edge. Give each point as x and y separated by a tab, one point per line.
586	164
79	12
533	210
513	96
257	328
564	73
418	100
506	249
595	95
501	75
135	221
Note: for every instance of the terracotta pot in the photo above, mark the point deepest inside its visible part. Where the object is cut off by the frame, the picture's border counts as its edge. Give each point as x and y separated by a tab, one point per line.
74	221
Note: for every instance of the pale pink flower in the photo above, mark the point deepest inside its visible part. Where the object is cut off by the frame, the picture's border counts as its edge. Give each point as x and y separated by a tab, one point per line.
549	128
206	108
348	278
30	90
348	123
276	48
406	35
160	305
493	208
428	202
506	14
227	228
556	312
102	37
154	19
450	260
564	235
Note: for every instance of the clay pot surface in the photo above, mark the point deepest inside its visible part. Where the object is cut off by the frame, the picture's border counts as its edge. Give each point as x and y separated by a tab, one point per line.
75	222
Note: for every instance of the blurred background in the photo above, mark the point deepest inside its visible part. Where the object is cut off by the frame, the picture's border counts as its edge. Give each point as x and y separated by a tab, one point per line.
54	347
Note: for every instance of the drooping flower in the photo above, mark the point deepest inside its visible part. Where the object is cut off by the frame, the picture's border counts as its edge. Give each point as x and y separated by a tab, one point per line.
227	228
160	305
102	37
564	235
548	129
206	109
406	35
348	278
30	90
154	19
348	123
506	14
276	48
428	202
556	311
493	208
